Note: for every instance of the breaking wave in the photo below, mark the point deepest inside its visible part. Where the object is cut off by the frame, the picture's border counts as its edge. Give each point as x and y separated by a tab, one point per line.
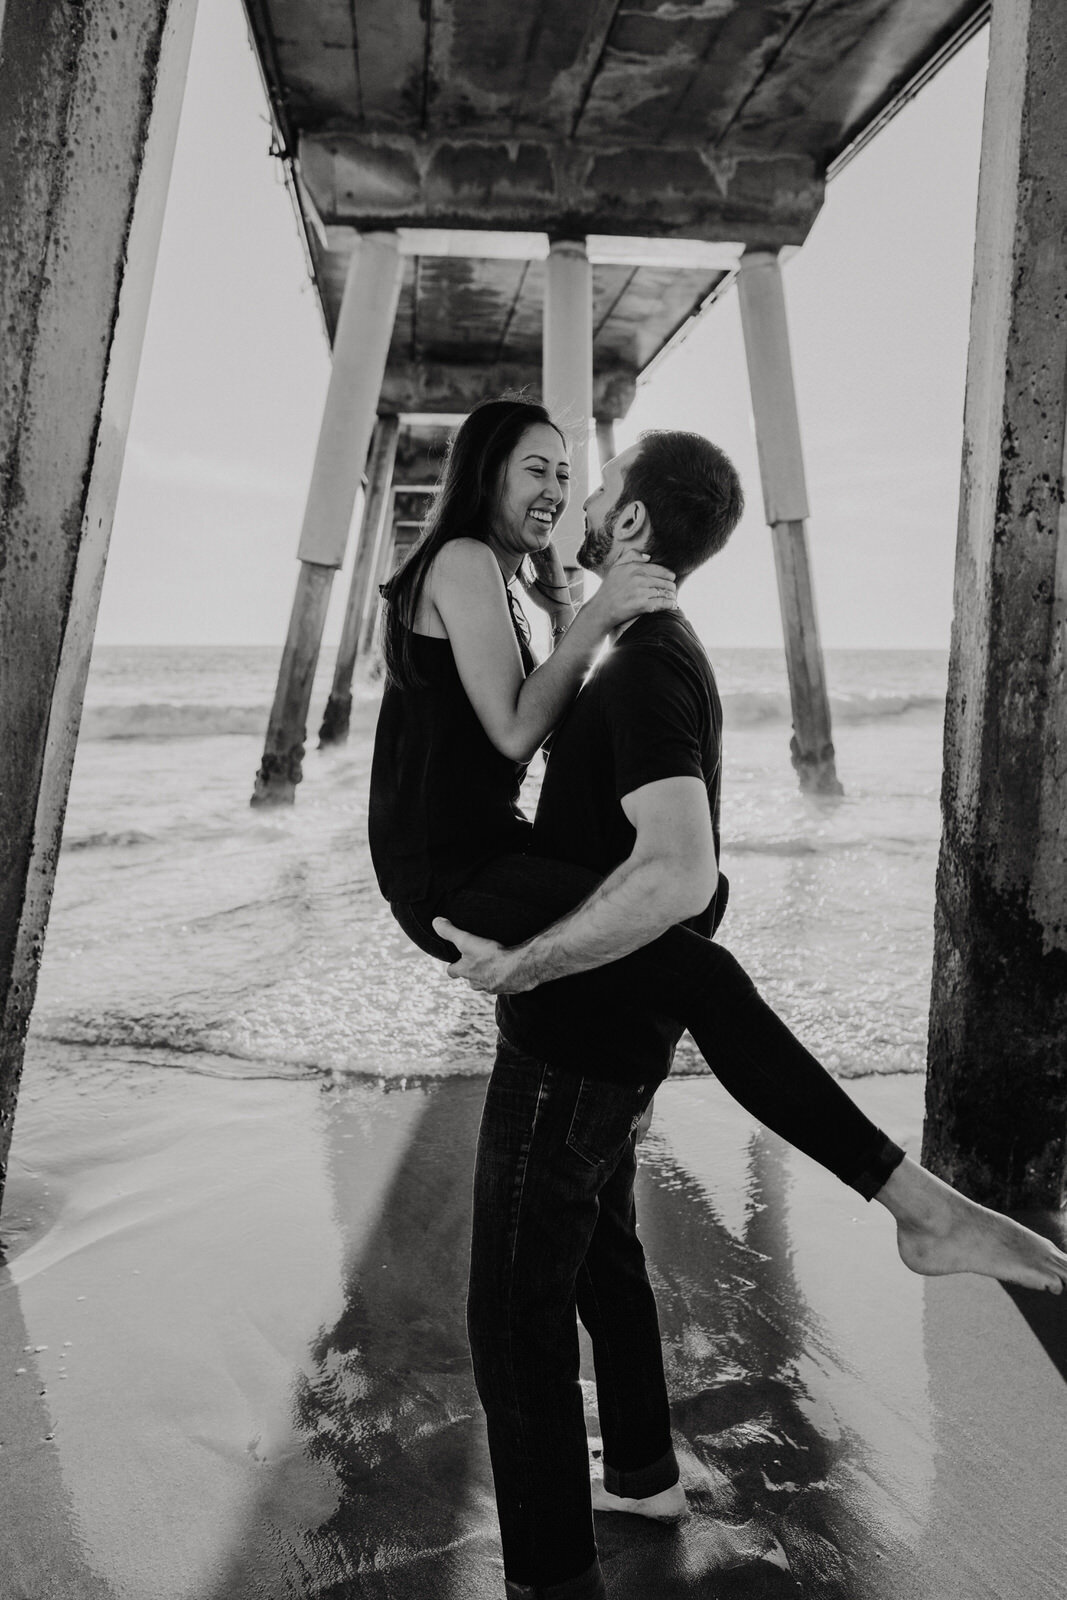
223	1048
751	708
742	709
169	721
121	840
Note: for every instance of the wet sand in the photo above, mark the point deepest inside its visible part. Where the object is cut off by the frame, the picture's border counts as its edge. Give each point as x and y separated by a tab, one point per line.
233	1364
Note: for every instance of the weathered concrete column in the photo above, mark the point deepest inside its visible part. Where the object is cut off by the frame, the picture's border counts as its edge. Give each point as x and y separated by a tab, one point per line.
90	95
360	348
785	498
605	439
383	562
996	1100
335	721
567	350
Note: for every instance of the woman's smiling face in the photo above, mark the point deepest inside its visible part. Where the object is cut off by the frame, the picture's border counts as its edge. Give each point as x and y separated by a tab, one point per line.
532	494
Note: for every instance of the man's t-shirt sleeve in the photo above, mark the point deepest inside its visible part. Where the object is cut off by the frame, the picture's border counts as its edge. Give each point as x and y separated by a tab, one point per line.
655	717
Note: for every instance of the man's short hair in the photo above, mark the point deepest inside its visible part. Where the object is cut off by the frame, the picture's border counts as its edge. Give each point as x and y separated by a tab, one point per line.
692	494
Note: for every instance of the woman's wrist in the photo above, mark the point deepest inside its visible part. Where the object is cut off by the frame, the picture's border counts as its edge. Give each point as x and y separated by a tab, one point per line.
553	595
559	622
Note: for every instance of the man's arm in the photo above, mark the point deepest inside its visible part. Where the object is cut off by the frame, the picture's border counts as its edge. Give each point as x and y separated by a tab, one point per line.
669	875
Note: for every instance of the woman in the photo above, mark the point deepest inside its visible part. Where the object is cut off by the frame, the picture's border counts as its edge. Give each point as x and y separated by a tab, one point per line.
464	708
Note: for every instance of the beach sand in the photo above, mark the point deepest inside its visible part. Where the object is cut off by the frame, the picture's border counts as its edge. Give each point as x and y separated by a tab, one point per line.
233	1363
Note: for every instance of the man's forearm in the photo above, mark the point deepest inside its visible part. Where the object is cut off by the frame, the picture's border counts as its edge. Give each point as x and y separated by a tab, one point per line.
634	905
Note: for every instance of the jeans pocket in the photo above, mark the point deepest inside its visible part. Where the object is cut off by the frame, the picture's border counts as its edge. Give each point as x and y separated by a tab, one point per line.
605	1115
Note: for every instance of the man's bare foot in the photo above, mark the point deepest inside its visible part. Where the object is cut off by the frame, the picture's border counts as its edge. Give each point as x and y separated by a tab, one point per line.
667	1506
940	1231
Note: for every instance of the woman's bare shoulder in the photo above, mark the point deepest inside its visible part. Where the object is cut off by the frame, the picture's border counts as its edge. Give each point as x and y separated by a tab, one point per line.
465	561
465	552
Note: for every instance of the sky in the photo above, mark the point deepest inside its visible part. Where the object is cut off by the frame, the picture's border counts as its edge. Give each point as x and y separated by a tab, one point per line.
235	365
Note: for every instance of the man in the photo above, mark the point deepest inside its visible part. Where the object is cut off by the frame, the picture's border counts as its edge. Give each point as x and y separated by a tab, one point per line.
566	1139
632	791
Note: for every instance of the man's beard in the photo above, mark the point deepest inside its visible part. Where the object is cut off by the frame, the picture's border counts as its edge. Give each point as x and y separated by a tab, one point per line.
596	545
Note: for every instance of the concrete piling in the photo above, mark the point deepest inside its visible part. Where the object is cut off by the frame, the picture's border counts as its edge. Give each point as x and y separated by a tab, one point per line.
785	497
361	346
605	439
90	96
335	720
996	1101
383	565
567	350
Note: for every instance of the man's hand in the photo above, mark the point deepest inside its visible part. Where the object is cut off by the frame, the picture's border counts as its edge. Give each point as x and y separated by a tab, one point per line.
485	964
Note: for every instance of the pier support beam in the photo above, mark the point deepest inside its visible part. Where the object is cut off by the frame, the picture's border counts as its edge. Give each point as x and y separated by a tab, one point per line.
383	563
90	95
996	1103
605	439
335	721
785	498
361	345
568	380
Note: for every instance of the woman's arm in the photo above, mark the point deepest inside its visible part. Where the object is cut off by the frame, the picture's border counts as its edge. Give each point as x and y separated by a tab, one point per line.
467	590
546	587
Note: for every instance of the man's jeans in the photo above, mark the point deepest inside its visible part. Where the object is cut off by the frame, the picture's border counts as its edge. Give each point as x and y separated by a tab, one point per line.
555	1231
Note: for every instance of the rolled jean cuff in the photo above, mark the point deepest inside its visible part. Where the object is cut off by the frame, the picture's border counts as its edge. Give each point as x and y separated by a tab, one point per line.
638	1483
588	1585
878	1169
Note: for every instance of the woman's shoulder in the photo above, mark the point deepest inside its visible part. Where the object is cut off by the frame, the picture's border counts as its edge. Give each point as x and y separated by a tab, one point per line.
465	558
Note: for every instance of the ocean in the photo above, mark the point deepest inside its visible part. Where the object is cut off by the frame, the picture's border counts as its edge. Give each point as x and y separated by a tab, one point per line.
191	932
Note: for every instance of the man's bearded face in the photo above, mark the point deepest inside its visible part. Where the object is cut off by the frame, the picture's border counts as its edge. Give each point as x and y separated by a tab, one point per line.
598	542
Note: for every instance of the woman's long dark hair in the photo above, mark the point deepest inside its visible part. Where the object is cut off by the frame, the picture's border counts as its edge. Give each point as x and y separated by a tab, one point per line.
462	508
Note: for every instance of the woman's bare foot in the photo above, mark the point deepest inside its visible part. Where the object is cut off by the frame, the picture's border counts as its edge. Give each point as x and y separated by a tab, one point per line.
667	1506
940	1231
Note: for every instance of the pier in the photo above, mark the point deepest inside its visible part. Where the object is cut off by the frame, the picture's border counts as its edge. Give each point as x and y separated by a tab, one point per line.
235	1361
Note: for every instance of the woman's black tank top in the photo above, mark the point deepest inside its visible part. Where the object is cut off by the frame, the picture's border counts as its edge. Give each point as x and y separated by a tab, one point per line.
443	800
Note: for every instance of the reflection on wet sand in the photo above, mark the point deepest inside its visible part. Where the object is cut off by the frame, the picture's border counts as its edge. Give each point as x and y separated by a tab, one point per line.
771	1490
391	1417
272	1396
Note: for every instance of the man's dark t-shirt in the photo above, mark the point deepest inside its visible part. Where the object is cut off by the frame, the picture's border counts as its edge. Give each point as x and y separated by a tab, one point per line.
649	711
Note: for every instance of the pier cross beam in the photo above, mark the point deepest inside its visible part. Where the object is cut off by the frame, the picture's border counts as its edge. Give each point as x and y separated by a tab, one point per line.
996	1101
567	350
90	96
338	711
785	498
361	346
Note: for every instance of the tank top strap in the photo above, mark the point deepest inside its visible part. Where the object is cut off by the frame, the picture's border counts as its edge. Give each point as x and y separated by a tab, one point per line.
522	630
